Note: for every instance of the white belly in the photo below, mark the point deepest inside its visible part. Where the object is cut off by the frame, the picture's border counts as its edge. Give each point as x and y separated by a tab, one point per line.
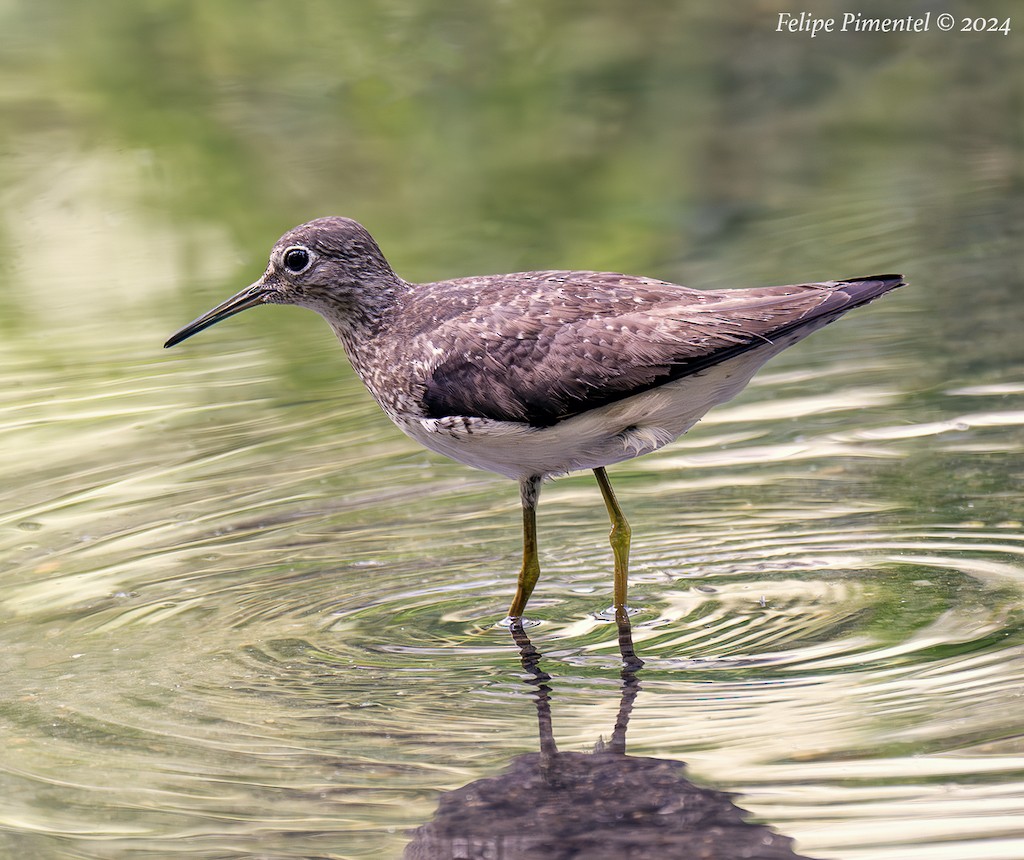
619	431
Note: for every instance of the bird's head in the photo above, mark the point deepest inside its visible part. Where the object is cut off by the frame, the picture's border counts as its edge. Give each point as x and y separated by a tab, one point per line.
330	265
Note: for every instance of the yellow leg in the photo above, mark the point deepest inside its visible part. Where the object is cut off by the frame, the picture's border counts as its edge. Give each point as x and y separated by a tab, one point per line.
619	538
529	490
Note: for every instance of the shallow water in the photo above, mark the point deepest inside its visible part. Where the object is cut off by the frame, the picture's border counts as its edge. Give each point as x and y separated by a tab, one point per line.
243	616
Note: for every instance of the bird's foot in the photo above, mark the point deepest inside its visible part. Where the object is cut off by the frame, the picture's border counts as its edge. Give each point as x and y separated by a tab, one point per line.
512	622
615	613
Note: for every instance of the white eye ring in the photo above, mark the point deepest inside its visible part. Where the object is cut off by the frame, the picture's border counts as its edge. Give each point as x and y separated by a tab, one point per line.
297	259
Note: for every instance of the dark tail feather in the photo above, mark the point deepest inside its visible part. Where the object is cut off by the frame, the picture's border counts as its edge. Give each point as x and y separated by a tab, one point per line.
860	291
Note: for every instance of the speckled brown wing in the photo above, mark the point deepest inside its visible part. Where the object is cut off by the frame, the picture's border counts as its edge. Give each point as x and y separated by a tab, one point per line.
541	347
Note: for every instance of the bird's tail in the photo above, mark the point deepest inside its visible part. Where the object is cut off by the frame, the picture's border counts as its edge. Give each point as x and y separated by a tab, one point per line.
863	290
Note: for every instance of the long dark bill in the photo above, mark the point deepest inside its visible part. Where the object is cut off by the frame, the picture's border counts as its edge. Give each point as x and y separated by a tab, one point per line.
251	296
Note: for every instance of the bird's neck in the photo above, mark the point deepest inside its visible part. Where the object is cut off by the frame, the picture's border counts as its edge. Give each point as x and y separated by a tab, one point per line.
358	321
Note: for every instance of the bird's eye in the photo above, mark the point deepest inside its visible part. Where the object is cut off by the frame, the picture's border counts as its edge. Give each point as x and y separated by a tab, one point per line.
296	260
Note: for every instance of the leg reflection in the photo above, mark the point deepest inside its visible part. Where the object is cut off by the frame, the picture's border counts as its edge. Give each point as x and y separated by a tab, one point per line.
530	658
631	664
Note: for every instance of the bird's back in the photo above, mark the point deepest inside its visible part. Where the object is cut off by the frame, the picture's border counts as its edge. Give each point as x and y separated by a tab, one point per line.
540	347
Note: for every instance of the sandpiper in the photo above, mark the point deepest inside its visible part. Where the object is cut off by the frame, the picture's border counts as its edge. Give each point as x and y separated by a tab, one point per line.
537	374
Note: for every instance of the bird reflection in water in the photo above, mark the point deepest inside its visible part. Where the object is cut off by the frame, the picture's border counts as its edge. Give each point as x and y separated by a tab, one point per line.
602	805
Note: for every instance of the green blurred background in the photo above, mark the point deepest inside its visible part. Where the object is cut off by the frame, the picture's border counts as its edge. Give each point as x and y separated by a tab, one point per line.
168	143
